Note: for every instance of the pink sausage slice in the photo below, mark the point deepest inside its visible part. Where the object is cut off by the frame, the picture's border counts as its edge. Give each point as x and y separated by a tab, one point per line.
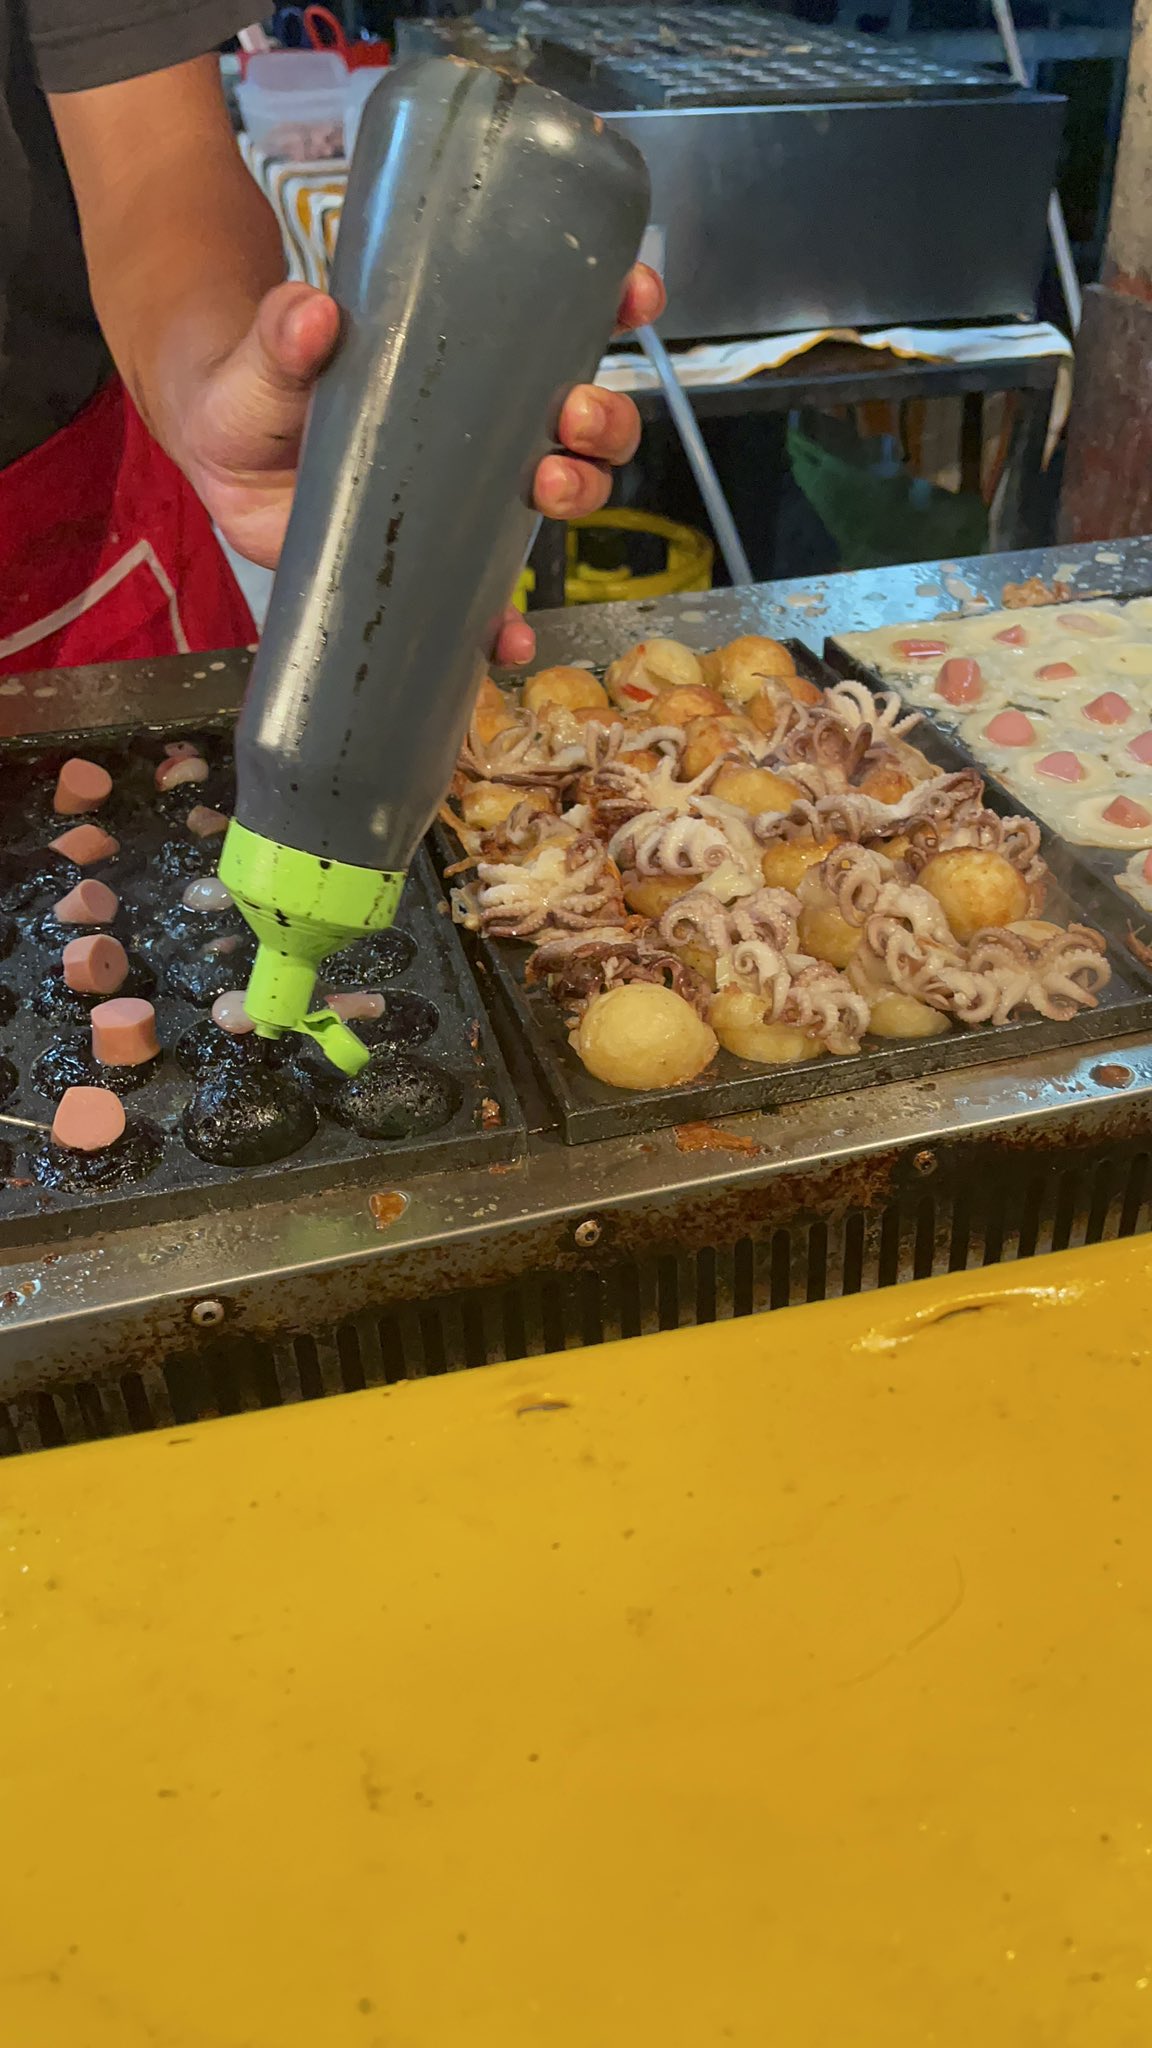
1141	748
1010	729
88	1119
90	902
124	1032
960	681
95	965
921	650
85	844
1108	709
1062	767
1122	811
204	823
1056	672
80	786
1012	636
180	768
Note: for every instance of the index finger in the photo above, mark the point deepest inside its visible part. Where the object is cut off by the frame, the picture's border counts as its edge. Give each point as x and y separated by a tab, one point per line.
644	298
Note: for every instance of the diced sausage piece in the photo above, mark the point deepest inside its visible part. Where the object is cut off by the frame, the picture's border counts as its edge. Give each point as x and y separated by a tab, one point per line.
1109	709
1141	748
358	1003
183	768
96	965
81	786
86	844
90	902
1129	816
1056	672
124	1032
88	1119
204	823
960	681
1062	767
1012	636
1010	729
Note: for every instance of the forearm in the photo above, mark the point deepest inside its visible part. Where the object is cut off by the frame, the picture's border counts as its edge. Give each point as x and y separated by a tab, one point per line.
180	243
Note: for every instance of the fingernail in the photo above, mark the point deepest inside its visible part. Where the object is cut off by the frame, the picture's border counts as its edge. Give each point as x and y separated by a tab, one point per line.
568	484
587	414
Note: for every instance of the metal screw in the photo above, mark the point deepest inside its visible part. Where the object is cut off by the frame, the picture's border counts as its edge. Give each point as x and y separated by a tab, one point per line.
925	1162
206	1313
587	1233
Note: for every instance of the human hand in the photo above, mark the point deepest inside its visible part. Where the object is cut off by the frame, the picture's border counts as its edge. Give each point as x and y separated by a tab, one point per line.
241	431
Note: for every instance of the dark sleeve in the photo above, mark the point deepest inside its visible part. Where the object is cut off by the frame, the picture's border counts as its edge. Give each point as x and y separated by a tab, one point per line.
81	43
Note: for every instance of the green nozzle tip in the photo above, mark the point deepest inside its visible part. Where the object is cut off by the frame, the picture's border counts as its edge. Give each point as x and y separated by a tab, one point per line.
302	908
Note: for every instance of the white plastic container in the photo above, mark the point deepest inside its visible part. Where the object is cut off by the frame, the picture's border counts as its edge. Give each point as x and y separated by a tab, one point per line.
293	104
359	84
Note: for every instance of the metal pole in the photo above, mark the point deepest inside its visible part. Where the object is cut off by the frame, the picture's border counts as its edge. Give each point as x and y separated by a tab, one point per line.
1108	475
1057	226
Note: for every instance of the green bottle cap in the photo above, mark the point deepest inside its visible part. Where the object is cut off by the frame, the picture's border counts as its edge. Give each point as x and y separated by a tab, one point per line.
302	908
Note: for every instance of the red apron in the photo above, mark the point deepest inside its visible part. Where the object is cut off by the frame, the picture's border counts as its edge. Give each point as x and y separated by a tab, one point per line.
106	553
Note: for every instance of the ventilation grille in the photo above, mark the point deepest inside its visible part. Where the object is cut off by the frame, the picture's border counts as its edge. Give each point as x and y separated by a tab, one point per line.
913	1238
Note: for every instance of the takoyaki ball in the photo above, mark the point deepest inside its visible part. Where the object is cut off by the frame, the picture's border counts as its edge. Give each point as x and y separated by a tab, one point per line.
823	932
642	1035
975	889
744	665
754	789
648	670
737	1017
708	739
493	712
767	708
575	689
687	702
886	781
250	1117
899	1016
396	1096
786	862
651	895
484	805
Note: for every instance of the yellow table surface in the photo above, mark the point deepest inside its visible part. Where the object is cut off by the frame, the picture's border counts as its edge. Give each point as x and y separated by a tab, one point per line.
786	1682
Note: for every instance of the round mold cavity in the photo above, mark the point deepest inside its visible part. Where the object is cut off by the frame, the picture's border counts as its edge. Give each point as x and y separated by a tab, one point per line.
130	1160
70	1063
200	977
250	1117
379	956
396	1096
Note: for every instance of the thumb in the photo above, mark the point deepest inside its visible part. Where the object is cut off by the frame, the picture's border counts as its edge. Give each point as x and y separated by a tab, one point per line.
257	397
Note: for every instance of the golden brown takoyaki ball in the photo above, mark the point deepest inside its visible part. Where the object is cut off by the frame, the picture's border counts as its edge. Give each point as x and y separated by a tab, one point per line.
642	1035
682	705
651	895
786	863
648	669
744	665
754	789
573	688
487	804
886	781
737	1018
825	934
706	739
494	711
975	889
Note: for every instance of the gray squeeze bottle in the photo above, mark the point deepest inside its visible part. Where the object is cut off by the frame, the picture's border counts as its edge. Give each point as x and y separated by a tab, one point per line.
487	233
